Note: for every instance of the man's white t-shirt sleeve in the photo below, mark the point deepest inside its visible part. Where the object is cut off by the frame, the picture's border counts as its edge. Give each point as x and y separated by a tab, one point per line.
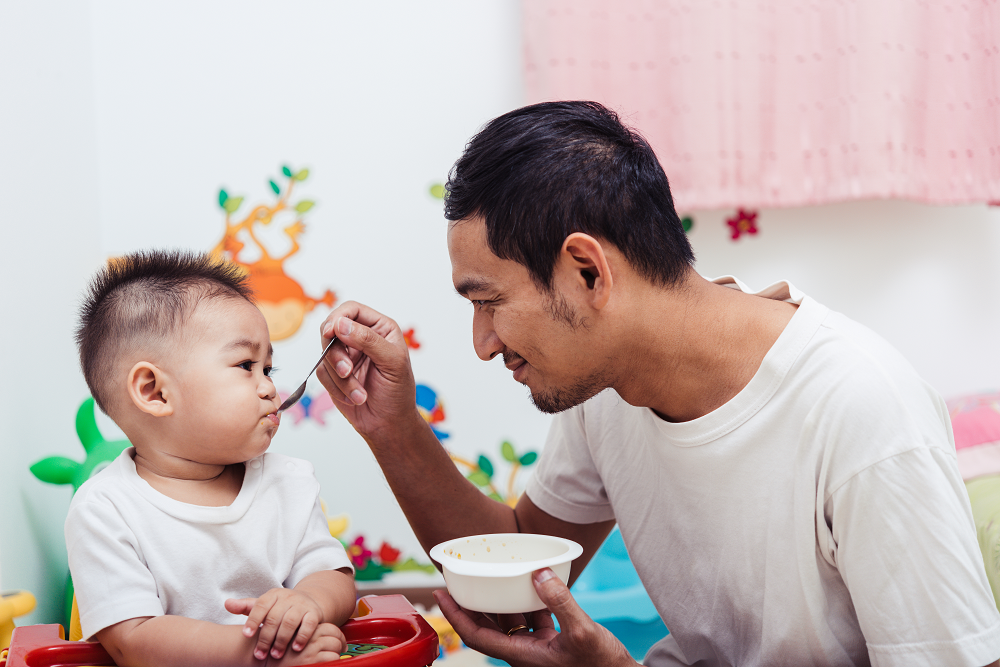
915	578
566	465
109	574
317	551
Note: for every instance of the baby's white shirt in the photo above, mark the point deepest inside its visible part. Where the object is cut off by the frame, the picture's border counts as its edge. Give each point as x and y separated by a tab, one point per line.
135	552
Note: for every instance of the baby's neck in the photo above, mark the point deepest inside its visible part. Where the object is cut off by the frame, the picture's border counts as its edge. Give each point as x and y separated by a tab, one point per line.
192	483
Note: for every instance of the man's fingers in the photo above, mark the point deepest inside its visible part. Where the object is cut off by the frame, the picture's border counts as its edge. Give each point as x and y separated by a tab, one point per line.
365	339
557	598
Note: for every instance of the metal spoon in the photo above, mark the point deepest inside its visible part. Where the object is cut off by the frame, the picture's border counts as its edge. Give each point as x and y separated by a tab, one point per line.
294	398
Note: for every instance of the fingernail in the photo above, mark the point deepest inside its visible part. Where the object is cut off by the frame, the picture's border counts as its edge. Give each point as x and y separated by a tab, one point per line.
343	368
358	397
275	653
543	575
247	631
345	326
296	647
327	328
260	655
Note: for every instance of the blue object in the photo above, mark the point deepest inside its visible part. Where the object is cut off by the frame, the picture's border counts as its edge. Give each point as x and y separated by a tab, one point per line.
611	593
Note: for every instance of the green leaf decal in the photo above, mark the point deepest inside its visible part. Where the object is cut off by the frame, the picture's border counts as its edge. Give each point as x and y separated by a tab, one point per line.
301	175
274	186
687	222
478	477
485	466
438	191
232	204
223	196
507	450
496	496
304	205
286	171
528	458
55	470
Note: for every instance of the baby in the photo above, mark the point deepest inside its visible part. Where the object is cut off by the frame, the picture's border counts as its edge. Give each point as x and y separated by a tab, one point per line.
194	526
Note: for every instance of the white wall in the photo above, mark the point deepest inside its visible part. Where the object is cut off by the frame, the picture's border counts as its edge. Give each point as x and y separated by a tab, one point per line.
51	243
121	121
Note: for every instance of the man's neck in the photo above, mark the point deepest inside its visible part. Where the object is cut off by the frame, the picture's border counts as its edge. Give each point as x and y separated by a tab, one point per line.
693	349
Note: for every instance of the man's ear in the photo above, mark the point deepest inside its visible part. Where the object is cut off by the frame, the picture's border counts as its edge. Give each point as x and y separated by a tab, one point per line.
147	389
582	259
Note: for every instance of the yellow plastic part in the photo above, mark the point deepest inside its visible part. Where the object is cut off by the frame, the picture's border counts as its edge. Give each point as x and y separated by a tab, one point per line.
75	631
12	605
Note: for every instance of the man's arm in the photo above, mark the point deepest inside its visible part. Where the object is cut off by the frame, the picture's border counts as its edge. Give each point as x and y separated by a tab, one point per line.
438	501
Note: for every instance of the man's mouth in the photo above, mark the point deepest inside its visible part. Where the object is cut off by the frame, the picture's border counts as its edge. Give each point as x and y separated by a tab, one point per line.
516	364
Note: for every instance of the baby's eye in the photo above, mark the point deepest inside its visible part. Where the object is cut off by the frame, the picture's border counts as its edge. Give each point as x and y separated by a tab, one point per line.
246	365
270	370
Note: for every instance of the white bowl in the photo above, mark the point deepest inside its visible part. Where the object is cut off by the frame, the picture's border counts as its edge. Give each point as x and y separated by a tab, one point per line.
492	573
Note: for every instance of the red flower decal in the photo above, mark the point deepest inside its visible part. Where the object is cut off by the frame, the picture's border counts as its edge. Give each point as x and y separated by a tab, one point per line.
411	341
744	222
388	555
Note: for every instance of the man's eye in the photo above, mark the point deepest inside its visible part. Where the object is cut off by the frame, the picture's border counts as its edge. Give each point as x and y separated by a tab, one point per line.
480	303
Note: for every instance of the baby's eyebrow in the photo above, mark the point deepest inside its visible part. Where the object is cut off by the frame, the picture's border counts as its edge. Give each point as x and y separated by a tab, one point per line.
245	344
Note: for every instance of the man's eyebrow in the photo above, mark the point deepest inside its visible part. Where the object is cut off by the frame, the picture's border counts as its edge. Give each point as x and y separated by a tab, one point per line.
472	285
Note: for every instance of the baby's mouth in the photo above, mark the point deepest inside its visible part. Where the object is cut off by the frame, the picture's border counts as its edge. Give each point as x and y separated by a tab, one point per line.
274	418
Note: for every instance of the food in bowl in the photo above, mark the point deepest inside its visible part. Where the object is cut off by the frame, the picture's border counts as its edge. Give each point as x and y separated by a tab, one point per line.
492	573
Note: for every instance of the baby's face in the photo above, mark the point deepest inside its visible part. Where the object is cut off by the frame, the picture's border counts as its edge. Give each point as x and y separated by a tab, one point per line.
226	405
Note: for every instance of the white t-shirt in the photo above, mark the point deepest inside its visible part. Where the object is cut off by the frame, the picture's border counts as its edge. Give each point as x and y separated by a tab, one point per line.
817	518
135	552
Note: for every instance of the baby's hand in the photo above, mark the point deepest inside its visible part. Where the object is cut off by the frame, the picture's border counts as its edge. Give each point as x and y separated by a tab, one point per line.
278	614
325	645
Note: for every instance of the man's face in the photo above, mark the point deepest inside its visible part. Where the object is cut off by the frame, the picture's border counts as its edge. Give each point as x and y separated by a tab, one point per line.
539	334
225	401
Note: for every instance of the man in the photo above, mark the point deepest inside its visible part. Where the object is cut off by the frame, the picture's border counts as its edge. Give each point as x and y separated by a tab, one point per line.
785	483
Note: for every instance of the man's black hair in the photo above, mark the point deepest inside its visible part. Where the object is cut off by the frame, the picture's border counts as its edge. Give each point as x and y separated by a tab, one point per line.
142	297
542	172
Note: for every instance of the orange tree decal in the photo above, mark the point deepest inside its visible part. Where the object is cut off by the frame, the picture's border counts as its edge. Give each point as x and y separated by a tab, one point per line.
281	299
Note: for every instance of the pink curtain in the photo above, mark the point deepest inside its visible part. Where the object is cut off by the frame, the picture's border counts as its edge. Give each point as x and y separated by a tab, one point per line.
788	102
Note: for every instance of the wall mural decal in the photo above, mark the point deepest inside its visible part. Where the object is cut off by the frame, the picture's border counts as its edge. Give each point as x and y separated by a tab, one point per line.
742	222
282	300
312	407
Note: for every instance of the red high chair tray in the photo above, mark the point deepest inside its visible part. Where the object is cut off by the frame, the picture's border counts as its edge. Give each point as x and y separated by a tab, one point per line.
384	620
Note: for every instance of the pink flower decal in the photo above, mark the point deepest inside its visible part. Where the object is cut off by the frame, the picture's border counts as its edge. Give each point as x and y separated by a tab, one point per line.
358	553
744	222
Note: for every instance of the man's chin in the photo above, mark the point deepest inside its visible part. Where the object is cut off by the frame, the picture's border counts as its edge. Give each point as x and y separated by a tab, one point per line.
554	401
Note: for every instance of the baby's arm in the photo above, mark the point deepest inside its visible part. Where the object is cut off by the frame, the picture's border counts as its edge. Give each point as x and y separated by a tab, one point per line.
166	641
282	613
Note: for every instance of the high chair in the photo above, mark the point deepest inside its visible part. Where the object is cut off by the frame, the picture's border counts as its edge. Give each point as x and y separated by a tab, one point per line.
385	631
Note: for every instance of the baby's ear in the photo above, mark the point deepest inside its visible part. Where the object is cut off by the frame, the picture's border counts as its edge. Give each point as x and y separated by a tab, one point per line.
147	391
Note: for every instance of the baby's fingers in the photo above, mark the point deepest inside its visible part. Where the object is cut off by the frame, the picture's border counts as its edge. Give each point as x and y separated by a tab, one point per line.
290	621
241	606
306	629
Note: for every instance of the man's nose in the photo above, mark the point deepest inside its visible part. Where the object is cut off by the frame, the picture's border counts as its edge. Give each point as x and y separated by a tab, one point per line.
484	338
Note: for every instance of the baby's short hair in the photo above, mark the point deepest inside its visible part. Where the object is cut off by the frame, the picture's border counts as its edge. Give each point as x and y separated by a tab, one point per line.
139	298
